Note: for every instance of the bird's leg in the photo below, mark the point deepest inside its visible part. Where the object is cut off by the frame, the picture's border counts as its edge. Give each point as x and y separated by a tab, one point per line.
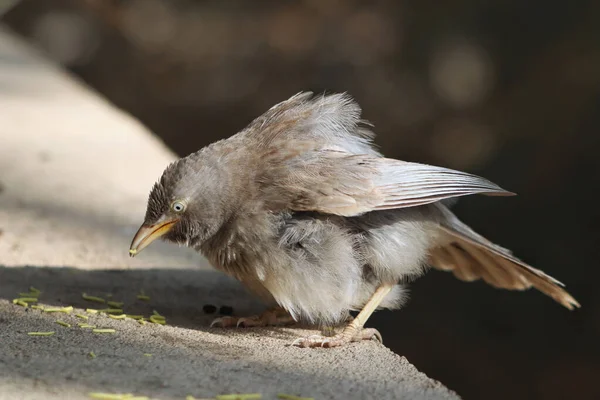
276	316
354	331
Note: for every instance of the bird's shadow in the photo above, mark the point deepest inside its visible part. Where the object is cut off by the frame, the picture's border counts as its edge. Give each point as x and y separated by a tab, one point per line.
188	298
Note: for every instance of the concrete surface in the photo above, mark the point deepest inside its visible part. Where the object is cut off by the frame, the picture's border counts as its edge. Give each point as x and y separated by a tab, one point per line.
75	173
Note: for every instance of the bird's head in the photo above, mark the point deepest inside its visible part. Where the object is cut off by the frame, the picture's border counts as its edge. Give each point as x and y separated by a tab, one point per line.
187	205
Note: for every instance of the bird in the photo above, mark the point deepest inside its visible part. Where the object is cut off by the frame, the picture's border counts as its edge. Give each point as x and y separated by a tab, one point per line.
302	208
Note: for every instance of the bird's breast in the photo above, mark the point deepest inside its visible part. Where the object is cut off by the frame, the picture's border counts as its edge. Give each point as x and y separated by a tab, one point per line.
244	246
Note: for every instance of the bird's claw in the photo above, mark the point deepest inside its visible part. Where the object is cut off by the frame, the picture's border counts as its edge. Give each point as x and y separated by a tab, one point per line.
301	342
228	322
251	322
223	322
268	318
341	339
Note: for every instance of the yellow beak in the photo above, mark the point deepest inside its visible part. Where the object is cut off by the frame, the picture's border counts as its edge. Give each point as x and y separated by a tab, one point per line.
148	234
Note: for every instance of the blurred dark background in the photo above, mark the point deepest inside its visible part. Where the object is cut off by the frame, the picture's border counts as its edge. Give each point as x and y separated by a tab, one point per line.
507	89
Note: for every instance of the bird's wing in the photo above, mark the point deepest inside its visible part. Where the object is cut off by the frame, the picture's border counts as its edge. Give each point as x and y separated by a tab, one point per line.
316	154
335	182
471	257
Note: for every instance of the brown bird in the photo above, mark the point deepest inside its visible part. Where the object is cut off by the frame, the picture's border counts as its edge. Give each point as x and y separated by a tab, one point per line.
305	212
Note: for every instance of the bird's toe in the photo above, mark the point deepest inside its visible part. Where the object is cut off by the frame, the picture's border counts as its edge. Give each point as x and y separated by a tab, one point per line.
224	322
273	317
338	340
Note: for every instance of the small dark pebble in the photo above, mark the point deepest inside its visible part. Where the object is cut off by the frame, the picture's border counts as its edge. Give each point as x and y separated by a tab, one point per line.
226	310
209	309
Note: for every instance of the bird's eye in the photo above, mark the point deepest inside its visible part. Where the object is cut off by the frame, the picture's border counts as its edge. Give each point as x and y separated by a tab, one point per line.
178	207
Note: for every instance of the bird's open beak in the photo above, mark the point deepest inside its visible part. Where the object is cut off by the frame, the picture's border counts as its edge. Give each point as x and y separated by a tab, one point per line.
148	234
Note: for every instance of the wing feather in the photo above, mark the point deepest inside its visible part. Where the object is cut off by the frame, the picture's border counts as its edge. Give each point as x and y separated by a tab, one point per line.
336	182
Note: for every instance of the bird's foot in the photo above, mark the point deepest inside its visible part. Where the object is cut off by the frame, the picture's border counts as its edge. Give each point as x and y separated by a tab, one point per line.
348	335
273	317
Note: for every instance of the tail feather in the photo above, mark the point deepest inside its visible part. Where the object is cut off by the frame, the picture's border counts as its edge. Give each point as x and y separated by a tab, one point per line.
470	257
